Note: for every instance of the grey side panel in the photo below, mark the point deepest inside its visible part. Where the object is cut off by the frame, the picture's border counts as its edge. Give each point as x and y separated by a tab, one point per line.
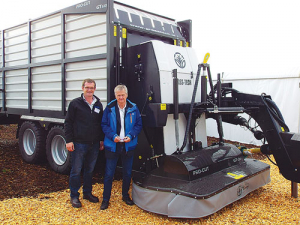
46	39
1	50
1	65
76	72
16	88
152	201
16	47
85	35
46	88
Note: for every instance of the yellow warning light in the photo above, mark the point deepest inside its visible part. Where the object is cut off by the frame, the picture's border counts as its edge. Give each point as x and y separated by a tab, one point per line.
140	157
150	98
206	57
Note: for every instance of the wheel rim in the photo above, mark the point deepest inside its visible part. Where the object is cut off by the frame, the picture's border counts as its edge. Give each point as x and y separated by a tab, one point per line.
58	150
29	141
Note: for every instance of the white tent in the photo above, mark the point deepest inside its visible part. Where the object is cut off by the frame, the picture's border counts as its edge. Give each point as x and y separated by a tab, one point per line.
284	90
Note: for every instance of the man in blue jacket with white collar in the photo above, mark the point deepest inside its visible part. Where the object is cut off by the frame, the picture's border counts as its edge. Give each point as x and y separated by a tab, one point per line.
121	124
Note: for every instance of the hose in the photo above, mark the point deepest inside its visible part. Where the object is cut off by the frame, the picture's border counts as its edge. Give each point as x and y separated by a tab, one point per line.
191	110
275	112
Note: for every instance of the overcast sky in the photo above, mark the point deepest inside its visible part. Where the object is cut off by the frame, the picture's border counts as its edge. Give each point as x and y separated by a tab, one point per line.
241	36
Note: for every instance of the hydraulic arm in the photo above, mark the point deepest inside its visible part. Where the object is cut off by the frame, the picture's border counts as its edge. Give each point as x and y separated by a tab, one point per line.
224	103
284	145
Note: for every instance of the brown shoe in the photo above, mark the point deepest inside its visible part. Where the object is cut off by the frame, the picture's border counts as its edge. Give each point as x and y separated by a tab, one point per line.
91	198
75	203
104	205
128	200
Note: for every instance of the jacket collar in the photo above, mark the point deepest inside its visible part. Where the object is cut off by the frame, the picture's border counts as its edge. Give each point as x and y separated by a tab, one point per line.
97	99
114	103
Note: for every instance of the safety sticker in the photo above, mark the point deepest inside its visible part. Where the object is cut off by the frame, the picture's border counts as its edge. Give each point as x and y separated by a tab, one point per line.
163	106
236	175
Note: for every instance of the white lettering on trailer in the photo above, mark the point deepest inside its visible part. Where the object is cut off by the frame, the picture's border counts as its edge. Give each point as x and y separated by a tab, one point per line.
199	171
184	82
101	6
83	4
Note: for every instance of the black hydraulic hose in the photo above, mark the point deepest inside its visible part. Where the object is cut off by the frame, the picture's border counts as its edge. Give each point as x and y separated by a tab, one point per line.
220	129
276	109
175	94
191	110
176	106
203	89
219	86
219	117
277	116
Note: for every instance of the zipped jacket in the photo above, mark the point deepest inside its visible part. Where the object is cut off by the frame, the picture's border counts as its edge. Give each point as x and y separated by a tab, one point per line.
132	123
83	124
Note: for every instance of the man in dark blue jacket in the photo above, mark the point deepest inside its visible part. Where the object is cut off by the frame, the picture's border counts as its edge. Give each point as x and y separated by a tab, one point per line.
121	125
84	138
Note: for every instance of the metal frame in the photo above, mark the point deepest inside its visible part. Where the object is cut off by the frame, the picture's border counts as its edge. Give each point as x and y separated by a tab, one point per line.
63	71
3	73
29	70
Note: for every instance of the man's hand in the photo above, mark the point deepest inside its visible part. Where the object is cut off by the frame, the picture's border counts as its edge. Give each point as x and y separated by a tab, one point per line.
101	146
127	139
117	139
70	146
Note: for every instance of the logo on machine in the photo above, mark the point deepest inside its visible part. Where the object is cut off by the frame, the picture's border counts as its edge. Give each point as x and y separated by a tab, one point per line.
179	59
199	171
242	188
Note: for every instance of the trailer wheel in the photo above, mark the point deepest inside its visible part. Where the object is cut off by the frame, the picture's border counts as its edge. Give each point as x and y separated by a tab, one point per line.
57	154
32	142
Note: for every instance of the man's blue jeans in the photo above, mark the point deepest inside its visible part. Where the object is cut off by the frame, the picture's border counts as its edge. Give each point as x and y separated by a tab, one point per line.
83	157
110	167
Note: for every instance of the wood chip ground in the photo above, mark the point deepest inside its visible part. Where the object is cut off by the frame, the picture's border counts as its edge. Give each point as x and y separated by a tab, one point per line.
271	204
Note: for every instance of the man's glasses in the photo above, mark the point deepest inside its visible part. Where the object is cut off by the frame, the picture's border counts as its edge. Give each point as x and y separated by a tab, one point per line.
89	88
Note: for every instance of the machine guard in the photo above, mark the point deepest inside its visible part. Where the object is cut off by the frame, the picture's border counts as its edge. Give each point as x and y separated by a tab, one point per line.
199	183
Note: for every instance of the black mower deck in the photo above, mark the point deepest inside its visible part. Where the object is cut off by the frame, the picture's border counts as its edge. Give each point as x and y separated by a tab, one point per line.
199	197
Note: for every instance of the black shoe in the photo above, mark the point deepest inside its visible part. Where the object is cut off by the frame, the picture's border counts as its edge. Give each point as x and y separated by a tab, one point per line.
75	203
104	205
91	198
128	201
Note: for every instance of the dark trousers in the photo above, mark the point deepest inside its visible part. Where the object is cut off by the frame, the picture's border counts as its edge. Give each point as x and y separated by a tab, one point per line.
111	164
83	157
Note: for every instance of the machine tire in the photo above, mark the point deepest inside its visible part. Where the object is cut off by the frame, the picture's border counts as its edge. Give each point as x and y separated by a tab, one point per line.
57	155
32	142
